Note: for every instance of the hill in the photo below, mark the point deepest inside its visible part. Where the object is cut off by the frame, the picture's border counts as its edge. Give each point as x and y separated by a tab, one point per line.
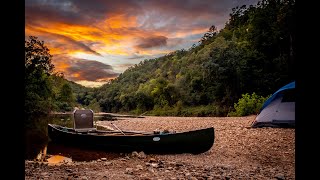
255	52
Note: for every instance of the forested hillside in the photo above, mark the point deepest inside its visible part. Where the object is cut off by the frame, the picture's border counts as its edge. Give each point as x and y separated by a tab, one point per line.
254	53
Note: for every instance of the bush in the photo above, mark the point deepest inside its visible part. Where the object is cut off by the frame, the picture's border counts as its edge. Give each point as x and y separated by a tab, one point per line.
248	105
179	110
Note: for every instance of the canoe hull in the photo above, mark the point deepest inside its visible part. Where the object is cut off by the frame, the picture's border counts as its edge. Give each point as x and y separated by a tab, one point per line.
195	142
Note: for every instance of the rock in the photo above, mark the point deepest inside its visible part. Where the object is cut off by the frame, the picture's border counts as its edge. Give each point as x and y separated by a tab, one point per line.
134	154
123	159
145	177
139	167
154	165
151	170
108	163
142	155
280	176
179	164
103	159
44	174
129	171
151	160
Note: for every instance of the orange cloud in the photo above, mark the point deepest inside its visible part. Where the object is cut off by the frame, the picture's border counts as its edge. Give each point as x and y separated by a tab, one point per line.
112	36
116	21
61	66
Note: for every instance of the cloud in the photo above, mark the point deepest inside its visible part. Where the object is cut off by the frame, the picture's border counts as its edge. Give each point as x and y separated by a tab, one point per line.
81	12
135	56
67	41
150	42
91	71
76	69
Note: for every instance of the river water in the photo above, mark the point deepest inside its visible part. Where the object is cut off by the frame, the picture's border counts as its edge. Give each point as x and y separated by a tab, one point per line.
38	146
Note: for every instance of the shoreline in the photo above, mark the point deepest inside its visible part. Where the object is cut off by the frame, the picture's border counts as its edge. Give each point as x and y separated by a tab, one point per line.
239	152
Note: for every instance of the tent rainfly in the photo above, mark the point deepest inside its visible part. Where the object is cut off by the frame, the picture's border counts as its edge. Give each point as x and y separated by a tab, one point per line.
279	109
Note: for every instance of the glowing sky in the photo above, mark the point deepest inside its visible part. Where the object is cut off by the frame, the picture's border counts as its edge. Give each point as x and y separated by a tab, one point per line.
92	41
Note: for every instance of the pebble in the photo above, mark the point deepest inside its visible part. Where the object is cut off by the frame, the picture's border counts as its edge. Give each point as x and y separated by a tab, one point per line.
238	153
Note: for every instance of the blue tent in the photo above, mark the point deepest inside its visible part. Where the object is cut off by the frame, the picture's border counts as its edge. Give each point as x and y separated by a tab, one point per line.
279	109
291	85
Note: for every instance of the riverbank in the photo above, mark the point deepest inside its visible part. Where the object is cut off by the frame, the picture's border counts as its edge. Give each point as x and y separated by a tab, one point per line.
239	152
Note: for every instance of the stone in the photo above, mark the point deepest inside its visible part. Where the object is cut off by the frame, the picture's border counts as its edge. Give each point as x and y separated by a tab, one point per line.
139	167
129	171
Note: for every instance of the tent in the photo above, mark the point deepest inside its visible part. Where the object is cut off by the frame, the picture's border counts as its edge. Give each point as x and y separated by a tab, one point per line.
279	109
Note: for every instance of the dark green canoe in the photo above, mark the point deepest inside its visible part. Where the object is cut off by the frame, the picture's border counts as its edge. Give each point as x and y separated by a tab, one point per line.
195	141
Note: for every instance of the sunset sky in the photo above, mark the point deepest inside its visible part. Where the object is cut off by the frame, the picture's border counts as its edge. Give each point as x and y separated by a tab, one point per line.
93	41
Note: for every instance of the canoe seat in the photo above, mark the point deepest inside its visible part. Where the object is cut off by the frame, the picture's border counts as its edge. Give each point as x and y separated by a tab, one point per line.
83	120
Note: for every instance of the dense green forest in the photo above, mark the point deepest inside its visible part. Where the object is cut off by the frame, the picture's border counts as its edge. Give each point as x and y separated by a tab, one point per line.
253	54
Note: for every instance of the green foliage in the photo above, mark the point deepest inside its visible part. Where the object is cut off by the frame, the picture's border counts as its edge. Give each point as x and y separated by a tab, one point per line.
45	91
38	87
66	98
94	106
179	110
248	105
255	52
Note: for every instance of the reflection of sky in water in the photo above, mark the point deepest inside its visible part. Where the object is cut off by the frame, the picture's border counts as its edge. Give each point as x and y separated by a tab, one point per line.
56	154
58	159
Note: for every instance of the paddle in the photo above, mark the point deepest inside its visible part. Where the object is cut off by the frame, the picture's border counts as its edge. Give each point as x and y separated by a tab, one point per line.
118	128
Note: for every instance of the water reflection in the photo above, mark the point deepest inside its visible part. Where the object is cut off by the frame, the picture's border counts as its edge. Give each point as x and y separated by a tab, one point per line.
56	159
80	154
39	147
67	119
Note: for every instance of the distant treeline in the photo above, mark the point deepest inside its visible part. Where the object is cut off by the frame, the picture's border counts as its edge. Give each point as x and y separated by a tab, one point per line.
253	53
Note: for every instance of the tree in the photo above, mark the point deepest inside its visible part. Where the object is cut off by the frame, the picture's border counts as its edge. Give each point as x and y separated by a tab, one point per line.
212	32
37	56
66	97
38	87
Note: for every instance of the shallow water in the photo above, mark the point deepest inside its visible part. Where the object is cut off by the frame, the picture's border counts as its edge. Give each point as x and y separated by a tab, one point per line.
57	153
55	159
39	147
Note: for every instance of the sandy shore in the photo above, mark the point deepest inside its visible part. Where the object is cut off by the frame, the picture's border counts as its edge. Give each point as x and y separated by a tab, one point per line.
239	152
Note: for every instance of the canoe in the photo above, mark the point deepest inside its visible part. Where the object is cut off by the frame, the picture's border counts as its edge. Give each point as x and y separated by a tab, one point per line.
195	141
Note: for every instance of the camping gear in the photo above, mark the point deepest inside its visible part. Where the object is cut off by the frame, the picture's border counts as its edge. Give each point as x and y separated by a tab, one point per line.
279	109
86	136
83	120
